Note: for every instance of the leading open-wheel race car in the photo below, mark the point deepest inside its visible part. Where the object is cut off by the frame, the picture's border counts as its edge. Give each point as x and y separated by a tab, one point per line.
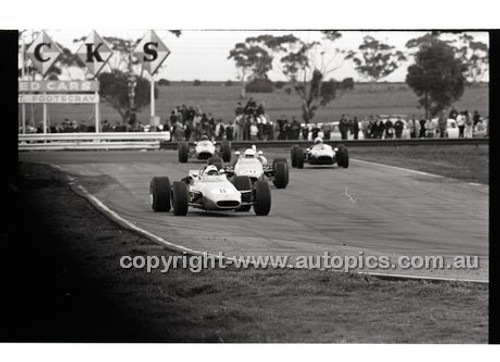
253	164
209	189
204	150
320	154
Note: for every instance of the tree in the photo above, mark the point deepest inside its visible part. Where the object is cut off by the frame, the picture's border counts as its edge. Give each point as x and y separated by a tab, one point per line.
437	77
306	65
114	89
376	59
475	55
251	60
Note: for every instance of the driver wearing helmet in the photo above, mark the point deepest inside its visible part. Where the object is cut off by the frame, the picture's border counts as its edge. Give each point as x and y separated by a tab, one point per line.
211	170
318	141
250	153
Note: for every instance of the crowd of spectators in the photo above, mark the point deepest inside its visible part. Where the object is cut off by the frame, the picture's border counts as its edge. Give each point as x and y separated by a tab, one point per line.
252	123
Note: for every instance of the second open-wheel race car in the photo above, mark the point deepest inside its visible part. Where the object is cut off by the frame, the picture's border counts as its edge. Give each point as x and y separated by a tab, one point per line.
209	189
254	165
320	154
204	149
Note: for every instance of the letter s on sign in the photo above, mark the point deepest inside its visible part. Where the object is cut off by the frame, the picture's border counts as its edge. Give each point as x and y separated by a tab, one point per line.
150	50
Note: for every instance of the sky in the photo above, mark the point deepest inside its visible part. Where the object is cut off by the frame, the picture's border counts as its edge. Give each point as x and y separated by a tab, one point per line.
202	54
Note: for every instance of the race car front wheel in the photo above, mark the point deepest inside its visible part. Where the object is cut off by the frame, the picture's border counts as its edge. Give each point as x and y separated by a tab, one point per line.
262	198
183	152
280	167
343	156
299	157
159	191
226	151
179	197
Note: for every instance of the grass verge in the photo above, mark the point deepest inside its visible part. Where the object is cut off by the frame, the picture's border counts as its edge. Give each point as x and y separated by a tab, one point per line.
62	283
465	162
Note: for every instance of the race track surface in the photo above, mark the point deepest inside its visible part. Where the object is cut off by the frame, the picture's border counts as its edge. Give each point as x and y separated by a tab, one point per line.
366	208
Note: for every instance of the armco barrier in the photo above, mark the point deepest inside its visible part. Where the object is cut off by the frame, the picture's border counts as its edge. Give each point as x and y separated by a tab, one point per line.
92	141
352	143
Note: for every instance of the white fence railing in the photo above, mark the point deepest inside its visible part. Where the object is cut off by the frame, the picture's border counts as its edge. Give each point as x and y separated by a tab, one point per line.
92	141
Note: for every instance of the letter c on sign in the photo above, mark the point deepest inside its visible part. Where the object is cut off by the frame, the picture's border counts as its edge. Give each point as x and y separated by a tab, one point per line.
37	53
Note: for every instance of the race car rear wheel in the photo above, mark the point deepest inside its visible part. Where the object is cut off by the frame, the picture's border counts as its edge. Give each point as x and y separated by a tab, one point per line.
159	191
262	198
280	167
293	155
242	183
183	152
179	196
216	161
343	158
226	151
299	157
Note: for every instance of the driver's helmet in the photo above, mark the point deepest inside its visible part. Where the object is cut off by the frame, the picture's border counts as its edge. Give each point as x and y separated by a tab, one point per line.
211	170
318	141
204	138
250	153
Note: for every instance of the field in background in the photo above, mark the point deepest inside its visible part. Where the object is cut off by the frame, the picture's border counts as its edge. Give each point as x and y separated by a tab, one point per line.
220	100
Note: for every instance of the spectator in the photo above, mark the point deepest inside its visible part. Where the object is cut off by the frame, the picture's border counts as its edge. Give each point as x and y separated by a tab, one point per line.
219	130
354	128
442	123
295	129
305	132
178	132
188	130
398	128
106	126
461	124
254	131
476	118
343	127
365	127
229	132
389	129
469	126
413	126
327	131
430	128
422	131
453	113
282	121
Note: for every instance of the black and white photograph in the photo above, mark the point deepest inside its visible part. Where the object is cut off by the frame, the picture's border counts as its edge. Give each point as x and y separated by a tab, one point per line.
248	185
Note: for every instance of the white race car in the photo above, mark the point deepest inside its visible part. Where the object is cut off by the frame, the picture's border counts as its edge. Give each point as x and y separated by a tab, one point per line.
320	154
254	165
209	189
204	150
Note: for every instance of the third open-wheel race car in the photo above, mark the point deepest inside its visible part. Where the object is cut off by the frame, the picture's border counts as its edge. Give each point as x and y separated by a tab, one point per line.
205	149
209	189
254	165
320	154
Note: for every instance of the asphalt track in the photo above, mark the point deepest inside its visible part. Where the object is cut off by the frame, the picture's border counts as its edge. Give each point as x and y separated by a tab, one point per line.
366	209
